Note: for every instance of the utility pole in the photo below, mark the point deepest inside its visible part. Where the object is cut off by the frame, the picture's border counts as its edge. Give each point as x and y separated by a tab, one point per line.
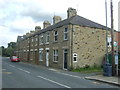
112	39
106	59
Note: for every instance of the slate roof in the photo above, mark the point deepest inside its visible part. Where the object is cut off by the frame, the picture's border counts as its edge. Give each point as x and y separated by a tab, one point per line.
75	20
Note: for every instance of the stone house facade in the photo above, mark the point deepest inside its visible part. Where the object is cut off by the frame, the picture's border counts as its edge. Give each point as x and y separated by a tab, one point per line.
71	43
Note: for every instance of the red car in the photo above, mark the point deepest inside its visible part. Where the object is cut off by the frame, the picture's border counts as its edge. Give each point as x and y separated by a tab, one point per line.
14	59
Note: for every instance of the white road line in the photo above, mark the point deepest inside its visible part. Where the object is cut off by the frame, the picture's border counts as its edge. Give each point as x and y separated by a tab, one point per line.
71	75
11	65
24	70
54	82
52	69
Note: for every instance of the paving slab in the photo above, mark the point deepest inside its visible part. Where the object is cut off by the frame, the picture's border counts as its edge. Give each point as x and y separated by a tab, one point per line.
106	79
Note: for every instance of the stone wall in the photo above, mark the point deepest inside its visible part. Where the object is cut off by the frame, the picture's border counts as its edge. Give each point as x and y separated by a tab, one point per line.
90	46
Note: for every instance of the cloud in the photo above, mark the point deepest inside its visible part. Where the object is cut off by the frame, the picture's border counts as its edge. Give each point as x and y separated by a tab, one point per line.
18	17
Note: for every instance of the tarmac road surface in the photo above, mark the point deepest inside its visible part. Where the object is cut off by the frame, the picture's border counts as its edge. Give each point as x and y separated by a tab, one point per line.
21	75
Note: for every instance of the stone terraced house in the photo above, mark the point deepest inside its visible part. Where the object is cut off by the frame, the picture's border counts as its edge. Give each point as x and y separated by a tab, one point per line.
71	43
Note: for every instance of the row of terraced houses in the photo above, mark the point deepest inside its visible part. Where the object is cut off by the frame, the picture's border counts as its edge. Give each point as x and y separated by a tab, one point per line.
71	43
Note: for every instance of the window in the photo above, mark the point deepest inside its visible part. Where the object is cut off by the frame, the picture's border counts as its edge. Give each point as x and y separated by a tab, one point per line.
41	54
55	35
36	39
47	37
28	41
109	41
74	57
41	39
32	39
66	34
55	55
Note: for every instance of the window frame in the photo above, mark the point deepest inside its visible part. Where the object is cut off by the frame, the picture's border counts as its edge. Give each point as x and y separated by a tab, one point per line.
74	56
41	39
41	53
65	33
47	38
55	35
55	55
32	40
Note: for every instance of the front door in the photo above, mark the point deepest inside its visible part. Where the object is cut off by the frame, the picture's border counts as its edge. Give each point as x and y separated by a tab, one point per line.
65	57
47	58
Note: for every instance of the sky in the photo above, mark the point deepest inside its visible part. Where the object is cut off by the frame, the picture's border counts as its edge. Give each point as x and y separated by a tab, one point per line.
17	17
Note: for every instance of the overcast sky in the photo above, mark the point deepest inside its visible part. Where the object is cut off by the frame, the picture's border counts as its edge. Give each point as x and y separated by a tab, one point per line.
18	17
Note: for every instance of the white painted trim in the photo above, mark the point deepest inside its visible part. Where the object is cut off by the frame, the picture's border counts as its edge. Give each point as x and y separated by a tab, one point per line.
47	49
75	56
35	49
65	47
31	49
40	48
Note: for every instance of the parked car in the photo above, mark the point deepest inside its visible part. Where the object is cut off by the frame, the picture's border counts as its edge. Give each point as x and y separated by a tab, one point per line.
14	59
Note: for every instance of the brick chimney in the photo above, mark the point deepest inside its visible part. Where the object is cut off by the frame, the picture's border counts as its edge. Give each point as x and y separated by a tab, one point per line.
46	24
71	12
37	28
56	19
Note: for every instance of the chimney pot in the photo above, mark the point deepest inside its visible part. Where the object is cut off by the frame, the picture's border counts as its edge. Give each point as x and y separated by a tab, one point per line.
37	28
46	24
56	19
71	12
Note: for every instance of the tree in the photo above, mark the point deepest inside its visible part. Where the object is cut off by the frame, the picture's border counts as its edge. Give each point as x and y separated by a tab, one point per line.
12	44
9	51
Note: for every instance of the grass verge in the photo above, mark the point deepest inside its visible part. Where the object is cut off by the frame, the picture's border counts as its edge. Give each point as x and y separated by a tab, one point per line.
88	70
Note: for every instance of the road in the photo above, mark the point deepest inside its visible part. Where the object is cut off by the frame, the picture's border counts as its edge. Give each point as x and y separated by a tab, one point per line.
22	75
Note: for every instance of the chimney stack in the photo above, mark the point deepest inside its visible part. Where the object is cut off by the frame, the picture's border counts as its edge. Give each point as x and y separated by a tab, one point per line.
71	12
56	19
27	34
46	24
37	28
32	32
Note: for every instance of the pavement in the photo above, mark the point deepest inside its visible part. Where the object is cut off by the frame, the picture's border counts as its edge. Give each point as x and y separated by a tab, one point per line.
106	79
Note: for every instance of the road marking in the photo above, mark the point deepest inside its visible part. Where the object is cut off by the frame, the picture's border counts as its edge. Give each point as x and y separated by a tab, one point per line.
24	70
3	69
54	82
7	72
95	83
71	75
52	69
11	65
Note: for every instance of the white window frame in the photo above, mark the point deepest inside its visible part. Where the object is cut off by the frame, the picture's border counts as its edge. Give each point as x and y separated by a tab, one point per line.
41	38
55	55
36	39
65	34
41	57
55	35
109	41
74	56
28	41
47	38
32	40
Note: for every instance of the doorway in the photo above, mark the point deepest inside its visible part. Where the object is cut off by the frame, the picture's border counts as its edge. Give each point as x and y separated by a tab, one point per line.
65	58
47	57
